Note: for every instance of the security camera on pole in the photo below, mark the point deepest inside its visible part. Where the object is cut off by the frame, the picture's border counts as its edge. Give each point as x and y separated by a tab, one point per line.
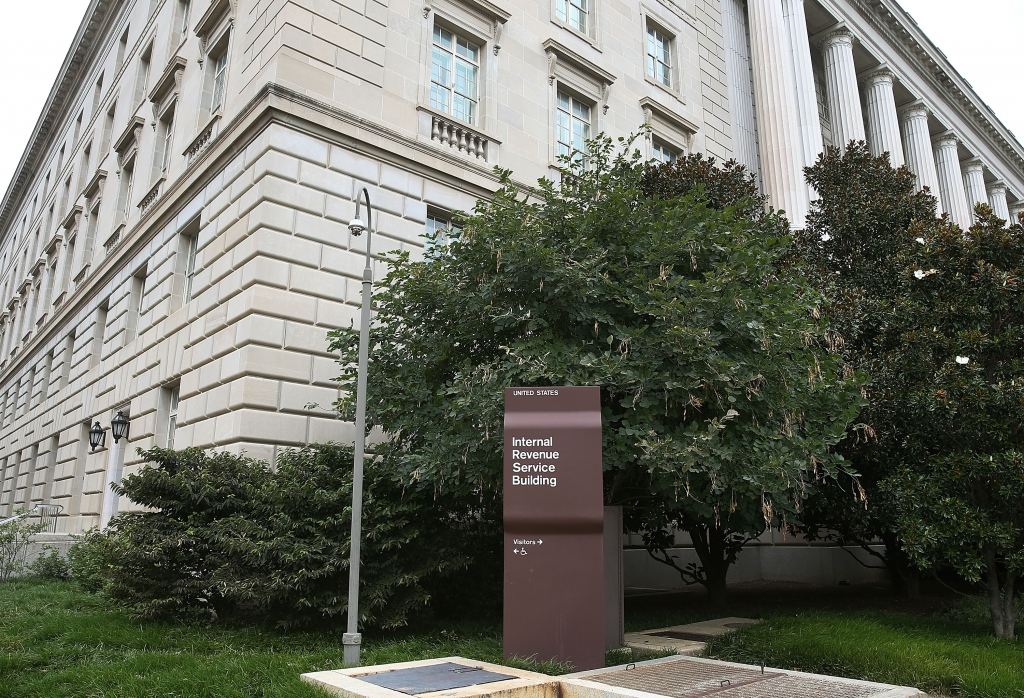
353	639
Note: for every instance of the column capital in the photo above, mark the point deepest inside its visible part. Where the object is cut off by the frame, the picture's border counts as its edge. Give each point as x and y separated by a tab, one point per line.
946	139
914	110
839	35
996	188
972	165
881	74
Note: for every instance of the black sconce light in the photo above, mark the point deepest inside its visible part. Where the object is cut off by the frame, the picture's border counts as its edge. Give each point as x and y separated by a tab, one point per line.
119	427
97	436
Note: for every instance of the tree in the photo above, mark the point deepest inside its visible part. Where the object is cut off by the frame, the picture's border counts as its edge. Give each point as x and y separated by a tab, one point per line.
854	252
721	393
16	535
963	505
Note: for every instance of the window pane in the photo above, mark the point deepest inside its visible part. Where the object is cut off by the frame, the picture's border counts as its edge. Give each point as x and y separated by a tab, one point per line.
441	67
561	11
465	109
443	37
467	50
563	102
439	98
465	79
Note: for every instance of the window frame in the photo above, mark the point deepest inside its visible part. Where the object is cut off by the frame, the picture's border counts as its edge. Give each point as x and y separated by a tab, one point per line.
652	61
573	98
451	88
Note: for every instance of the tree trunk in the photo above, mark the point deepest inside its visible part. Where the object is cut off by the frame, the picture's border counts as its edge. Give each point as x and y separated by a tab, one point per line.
995	597
906	580
1009	612
710	544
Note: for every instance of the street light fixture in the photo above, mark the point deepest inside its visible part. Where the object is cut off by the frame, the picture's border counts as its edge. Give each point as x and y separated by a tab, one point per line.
97	436
119	427
353	639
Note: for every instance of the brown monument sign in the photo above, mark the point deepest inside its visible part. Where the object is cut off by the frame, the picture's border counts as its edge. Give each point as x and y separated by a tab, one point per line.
554	518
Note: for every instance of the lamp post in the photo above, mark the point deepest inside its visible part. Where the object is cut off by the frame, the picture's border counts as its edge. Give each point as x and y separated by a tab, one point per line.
353	639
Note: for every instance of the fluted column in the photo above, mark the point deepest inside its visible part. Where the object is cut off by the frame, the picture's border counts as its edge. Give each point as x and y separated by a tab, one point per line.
741	99
841	85
1016	208
778	113
917	144
951	181
803	80
883	123
974	185
997	200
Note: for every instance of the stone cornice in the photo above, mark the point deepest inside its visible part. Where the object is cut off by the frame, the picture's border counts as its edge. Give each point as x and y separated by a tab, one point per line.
88	39
169	81
570	57
906	38
211	18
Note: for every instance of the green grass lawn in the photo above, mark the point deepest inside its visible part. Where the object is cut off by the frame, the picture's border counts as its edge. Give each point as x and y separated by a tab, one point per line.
934	654
56	640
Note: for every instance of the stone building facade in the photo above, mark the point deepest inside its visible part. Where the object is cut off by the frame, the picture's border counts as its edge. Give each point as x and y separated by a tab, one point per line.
173	244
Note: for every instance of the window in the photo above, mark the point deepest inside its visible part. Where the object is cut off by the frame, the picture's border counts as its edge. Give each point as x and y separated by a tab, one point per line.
573	12
97	93
65	195
142	76
664	153
454	71
181	13
220	72
440	226
172	416
190	266
78	127
65	367
124	194
108	128
98	330
659	56
573	125
135	295
122	48
83	174
162	156
44	387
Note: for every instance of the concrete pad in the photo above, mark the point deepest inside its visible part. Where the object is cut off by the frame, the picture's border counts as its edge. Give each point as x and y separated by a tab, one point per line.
346	682
690	677
689	639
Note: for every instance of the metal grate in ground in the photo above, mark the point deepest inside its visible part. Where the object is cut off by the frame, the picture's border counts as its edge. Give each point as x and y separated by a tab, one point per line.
691	679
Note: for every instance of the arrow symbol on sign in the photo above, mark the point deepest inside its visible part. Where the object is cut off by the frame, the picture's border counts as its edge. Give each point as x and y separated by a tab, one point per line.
540	542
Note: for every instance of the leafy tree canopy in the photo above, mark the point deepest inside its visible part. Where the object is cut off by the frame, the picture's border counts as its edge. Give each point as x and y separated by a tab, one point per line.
722	394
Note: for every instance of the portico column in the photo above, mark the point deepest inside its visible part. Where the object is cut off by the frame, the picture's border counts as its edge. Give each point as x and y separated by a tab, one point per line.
951	181
974	185
997	200
883	124
803	80
917	142
778	113
1016	208
841	85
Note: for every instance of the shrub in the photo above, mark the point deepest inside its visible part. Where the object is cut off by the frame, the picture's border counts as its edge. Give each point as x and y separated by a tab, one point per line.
15	537
228	535
51	565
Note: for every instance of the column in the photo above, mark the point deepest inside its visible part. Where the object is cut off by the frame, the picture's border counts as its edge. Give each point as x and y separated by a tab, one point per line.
883	124
917	142
803	80
974	185
1016	208
115	464
841	85
997	200
741	98
778	113
951	181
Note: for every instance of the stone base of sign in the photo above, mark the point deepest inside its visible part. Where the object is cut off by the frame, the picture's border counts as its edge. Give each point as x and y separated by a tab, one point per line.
690	639
672	677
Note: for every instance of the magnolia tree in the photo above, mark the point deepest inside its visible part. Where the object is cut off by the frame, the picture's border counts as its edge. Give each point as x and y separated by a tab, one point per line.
963	505
854	252
722	395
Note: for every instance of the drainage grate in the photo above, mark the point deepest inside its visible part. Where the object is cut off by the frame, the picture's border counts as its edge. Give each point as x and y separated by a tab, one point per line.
435	677
687	679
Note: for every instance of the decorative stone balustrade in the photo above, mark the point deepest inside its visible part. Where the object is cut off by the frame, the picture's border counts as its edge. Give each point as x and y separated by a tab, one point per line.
459	137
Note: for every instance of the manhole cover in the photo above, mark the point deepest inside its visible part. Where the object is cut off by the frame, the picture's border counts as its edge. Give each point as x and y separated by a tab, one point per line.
436	677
